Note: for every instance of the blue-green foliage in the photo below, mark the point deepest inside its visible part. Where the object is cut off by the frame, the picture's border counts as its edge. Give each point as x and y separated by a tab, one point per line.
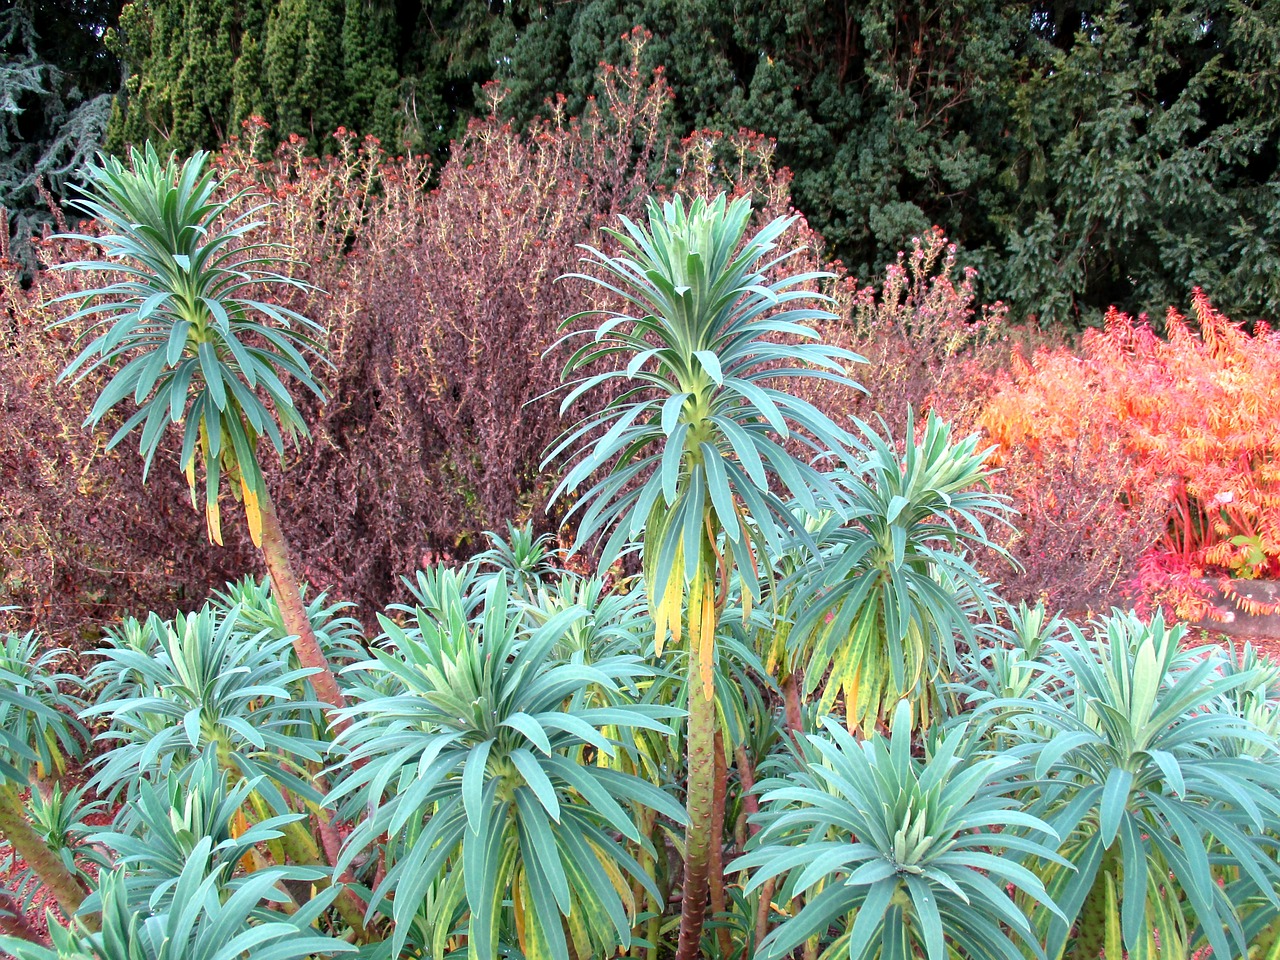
475	766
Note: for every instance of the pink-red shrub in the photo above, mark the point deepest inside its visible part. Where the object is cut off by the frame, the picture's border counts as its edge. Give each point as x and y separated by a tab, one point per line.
1191	421
928	344
81	539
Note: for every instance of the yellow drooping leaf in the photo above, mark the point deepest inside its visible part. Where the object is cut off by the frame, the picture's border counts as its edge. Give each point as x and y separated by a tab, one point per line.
579	933
239	827
675	604
619	882
213	521
533	939
667	616
659	626
212	515
1113	946
852	707
517	908
190	471
252	510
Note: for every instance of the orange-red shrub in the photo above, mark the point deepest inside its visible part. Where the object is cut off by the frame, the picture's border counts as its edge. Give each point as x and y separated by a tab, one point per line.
1188	423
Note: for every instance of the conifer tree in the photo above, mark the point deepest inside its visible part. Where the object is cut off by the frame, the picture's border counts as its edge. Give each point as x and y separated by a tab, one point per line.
1083	153
402	72
55	96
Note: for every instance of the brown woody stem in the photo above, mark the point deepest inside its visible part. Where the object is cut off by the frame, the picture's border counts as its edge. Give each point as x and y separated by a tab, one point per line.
13	923
301	848
719	905
288	594
791	700
31	847
762	913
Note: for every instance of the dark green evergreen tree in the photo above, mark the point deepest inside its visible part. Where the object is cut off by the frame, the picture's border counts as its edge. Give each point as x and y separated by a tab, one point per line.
447	54
56	81
304	67
181	57
1147	159
372	78
881	109
1082	154
402	70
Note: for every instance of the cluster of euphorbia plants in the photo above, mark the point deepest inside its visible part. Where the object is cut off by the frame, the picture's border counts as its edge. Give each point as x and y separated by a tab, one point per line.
803	725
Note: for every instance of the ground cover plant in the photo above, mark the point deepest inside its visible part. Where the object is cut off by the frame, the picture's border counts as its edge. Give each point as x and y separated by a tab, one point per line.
791	726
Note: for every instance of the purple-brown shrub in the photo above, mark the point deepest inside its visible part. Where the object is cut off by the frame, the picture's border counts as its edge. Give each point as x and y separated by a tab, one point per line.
82	541
443	306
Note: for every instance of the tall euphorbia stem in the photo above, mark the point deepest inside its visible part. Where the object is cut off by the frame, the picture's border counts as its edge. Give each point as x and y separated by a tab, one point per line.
1099	911
1266	946
792	705
719	903
700	745
701	800
645	820
31	847
300	847
288	594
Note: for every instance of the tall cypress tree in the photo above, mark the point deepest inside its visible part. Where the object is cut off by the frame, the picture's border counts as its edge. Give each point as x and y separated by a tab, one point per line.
182	57
401	70
371	77
302	55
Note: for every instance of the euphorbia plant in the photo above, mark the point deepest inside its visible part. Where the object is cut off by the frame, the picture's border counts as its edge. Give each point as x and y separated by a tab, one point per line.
186	343
58	819
207	687
470	766
38	735
878	622
1149	783
904	857
522	556
695	444
203	921
155	836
